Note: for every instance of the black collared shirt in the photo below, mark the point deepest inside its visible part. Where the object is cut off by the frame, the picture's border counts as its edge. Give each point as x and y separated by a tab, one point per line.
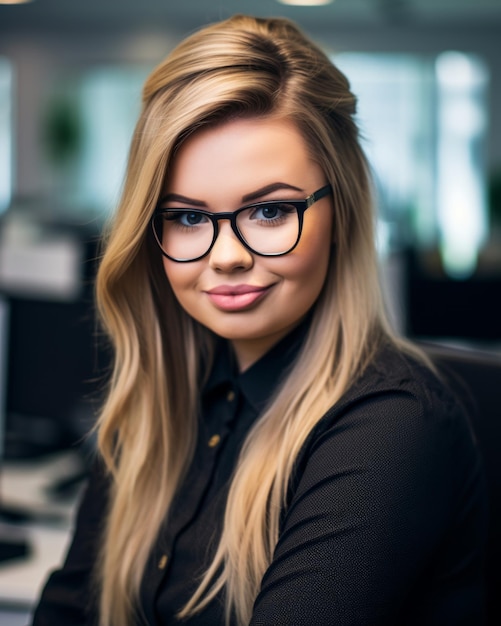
385	522
230	404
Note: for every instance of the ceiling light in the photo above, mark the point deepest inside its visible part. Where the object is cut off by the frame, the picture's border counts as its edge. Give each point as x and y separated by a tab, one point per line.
306	3
14	1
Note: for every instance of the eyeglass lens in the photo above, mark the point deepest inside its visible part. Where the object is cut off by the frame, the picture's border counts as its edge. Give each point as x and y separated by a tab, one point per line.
270	228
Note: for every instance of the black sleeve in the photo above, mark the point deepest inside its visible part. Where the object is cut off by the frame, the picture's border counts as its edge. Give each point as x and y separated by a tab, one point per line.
69	596
373	508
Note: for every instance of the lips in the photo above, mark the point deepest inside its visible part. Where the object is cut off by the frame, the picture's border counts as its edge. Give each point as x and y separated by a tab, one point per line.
236	290
237	297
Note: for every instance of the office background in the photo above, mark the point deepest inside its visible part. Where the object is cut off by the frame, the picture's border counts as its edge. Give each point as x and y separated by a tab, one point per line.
428	77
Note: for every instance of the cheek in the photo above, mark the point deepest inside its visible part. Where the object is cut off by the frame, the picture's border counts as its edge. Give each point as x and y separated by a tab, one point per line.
181	276
305	271
315	262
313	254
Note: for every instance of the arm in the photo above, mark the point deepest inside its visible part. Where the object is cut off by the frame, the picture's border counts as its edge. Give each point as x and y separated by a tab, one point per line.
68	597
371	509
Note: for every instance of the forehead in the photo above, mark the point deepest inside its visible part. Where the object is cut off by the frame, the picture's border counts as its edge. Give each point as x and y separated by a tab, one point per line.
241	155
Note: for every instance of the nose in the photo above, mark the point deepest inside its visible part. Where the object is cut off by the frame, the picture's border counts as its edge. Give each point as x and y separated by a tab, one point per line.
228	254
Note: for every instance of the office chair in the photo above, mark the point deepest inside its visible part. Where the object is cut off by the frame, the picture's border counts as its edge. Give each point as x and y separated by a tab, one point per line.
475	375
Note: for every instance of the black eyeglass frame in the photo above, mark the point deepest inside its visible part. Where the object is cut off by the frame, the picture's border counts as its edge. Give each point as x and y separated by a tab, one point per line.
300	205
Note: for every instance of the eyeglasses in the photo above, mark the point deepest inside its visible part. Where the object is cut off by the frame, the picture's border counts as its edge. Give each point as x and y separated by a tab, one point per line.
271	228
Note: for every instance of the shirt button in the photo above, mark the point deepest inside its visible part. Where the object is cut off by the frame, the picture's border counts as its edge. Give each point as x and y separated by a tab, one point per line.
163	562
213	441
230	396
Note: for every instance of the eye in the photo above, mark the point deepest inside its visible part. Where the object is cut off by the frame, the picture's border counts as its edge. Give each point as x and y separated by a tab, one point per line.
272	212
186	218
192	218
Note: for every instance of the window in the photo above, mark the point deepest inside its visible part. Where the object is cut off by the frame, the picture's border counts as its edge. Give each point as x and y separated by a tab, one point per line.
5	134
110	100
87	128
423	123
461	127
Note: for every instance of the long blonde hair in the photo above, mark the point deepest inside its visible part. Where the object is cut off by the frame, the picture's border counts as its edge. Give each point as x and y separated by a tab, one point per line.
241	67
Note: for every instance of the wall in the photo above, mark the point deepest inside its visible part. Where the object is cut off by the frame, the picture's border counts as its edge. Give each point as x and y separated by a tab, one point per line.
38	61
39	57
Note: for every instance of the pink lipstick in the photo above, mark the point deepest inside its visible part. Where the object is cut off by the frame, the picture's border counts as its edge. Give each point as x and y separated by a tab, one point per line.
238	297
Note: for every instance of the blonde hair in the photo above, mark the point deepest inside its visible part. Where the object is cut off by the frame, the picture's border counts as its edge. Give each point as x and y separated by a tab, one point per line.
241	67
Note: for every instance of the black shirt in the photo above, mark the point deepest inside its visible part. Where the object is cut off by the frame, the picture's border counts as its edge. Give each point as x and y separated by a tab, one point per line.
385	521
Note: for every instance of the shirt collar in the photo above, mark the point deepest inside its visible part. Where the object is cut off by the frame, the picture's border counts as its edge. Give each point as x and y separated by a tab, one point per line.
261	379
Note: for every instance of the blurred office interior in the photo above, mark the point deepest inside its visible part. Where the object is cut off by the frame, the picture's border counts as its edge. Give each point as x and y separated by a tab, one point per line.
428	77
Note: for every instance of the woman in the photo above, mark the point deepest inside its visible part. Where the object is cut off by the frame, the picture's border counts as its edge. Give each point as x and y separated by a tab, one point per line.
271	452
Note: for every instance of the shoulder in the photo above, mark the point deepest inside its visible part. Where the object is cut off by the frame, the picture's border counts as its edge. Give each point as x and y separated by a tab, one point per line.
396	380
398	416
394	371
396	446
386	493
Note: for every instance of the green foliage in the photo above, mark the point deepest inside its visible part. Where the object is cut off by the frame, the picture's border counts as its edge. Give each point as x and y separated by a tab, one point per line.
62	131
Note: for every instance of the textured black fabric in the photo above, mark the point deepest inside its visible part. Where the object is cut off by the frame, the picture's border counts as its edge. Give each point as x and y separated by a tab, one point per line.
385	520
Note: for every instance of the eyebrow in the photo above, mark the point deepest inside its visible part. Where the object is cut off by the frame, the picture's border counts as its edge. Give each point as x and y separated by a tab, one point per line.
264	191
176	197
249	197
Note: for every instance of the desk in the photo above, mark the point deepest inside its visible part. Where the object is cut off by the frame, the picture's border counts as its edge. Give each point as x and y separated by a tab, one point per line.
25	485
